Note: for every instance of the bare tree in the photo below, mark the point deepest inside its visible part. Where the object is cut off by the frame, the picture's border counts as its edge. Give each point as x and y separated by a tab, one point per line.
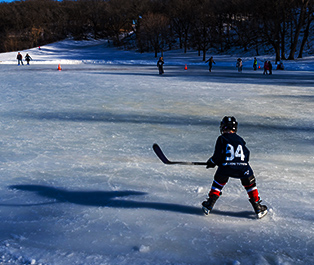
155	27
310	19
205	30
182	14
302	11
119	20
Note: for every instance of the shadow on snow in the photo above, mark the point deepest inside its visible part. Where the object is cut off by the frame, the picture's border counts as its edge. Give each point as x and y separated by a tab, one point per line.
113	199
109	117
102	199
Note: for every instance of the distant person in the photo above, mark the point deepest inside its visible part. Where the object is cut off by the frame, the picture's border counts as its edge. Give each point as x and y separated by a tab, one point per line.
210	62
280	66
28	58
160	65
19	58
239	65
255	64
270	67
266	68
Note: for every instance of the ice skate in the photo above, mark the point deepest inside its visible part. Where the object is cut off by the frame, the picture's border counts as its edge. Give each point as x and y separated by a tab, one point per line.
260	210
209	204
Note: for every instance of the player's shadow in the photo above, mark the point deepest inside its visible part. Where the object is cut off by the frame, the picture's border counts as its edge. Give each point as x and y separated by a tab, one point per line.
114	199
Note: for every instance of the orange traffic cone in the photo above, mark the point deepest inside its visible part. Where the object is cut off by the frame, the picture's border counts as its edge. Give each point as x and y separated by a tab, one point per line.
185	67
59	67
259	67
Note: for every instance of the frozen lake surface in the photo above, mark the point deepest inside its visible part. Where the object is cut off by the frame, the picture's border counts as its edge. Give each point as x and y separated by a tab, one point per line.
80	183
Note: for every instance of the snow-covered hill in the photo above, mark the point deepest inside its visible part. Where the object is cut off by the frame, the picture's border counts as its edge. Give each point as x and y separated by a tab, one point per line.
100	52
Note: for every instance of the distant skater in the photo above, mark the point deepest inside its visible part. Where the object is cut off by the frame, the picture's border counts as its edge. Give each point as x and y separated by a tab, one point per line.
28	58
280	66
160	65
266	68
270	67
255	64
239	65
19	58
210	62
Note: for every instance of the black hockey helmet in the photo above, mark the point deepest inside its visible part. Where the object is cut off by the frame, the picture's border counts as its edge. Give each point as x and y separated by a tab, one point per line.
228	123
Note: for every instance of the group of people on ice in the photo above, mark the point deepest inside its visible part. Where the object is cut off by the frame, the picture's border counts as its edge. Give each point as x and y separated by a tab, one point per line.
19	58
268	68
267	65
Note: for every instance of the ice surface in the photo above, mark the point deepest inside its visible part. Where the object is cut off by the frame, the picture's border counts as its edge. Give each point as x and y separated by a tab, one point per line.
80	183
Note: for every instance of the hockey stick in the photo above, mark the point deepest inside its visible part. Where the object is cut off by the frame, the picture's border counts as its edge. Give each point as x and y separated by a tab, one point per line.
165	160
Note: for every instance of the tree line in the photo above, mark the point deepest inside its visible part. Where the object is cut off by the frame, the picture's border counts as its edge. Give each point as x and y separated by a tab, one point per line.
283	26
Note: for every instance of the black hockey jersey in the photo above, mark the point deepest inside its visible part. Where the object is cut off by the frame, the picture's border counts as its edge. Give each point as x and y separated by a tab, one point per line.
231	156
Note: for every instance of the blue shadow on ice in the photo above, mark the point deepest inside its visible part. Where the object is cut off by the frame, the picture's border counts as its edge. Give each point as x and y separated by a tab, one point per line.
109	117
113	199
102	199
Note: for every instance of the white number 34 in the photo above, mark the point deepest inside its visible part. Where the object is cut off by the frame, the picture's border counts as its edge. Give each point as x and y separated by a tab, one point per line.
231	154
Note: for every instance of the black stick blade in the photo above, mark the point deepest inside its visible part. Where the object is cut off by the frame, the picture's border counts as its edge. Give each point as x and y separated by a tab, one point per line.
165	160
160	154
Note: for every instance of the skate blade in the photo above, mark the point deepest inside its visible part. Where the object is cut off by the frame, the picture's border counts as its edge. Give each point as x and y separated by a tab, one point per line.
205	210
262	214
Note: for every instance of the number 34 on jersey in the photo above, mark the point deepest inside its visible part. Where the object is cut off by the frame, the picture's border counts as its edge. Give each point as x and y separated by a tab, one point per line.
233	157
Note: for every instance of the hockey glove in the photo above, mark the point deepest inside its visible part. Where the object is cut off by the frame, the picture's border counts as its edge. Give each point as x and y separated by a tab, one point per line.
210	164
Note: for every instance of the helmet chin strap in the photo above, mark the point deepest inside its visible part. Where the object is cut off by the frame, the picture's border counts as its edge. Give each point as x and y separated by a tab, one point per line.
228	131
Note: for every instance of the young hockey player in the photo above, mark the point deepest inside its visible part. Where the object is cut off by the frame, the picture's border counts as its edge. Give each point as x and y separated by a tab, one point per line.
232	158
